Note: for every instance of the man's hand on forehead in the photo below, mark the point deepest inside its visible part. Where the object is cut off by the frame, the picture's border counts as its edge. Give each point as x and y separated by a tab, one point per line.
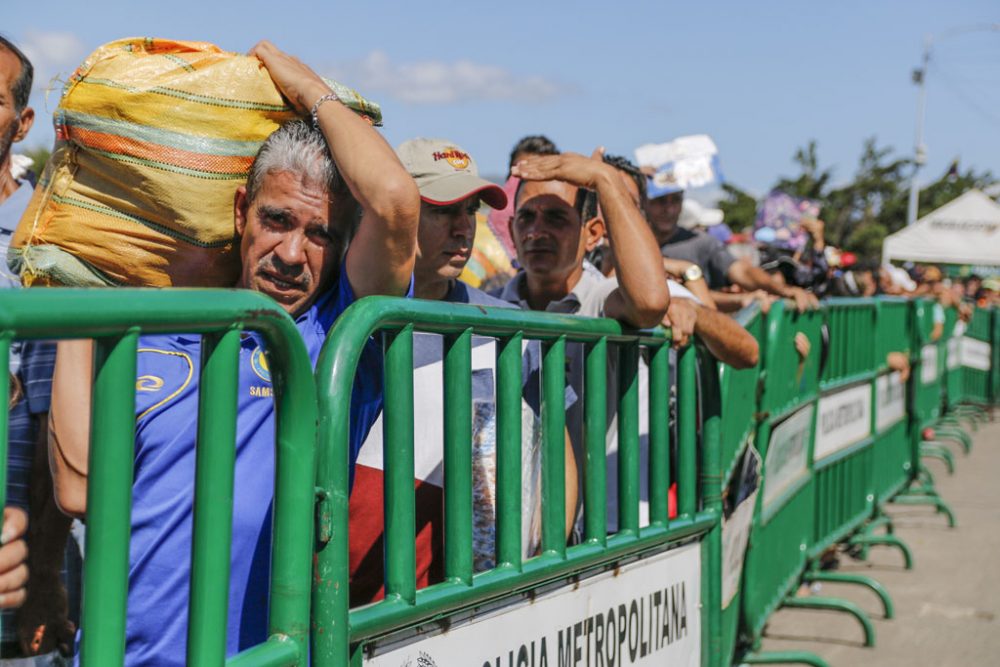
572	168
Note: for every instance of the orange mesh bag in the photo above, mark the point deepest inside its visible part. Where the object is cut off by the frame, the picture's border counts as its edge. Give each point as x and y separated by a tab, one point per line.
152	139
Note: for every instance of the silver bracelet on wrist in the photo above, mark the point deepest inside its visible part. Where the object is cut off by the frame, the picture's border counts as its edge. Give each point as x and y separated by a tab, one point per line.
315	108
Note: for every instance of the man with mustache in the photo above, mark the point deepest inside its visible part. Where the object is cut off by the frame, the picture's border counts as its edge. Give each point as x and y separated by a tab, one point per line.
552	238
295	219
451	193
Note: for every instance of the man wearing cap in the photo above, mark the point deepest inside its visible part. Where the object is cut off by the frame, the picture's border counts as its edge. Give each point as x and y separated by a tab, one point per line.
451	192
713	262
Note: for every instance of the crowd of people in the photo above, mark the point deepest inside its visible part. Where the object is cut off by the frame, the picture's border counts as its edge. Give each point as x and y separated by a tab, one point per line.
330	214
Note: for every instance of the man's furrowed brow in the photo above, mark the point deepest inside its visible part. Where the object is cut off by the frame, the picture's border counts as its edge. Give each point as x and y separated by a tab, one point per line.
264	211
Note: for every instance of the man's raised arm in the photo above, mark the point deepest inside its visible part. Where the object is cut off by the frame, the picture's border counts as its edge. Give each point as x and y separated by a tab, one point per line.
380	257
642	296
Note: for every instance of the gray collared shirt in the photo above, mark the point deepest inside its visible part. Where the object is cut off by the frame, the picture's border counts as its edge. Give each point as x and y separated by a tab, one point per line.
587	298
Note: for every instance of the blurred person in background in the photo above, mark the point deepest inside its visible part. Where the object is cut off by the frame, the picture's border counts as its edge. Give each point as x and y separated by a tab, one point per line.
533	144
663	209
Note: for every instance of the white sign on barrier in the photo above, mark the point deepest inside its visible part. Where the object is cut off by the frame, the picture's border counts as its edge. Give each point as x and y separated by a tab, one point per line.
787	453
928	364
845	417
644	613
954	353
975	354
890	396
737	517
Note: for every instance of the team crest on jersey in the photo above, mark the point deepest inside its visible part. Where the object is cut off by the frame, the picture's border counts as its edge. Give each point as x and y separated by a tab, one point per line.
258	361
148	383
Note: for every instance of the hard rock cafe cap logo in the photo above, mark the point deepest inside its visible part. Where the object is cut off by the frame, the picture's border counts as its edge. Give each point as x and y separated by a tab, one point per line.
446	174
453	156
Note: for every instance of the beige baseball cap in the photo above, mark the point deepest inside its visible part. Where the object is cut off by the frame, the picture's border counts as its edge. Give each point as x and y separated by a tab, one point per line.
446	174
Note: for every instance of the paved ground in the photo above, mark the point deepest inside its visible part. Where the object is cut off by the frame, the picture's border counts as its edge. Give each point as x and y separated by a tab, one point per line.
947	607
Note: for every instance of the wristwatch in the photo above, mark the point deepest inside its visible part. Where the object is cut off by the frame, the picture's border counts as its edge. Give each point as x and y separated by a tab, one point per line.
692	273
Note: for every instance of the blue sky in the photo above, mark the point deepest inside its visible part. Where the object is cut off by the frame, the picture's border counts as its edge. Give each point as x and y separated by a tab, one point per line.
761	78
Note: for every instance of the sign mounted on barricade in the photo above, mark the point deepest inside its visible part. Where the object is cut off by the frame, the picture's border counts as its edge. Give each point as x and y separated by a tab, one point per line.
645	613
890	397
928	364
737	517
975	353
844	419
787	453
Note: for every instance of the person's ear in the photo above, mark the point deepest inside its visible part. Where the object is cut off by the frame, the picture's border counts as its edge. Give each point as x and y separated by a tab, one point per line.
27	119
241	208
593	232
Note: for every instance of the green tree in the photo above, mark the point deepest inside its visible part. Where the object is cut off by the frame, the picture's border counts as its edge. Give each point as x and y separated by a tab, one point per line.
951	184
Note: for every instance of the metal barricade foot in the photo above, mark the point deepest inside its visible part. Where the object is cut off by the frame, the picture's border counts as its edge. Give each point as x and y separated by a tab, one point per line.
860	579
835	604
936	450
927	499
956	434
784	658
888	540
924	475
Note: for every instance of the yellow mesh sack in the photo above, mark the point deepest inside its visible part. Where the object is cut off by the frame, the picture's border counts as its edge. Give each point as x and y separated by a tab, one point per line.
153	137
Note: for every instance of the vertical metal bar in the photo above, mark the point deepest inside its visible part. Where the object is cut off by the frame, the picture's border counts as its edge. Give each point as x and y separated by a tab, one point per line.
687	413
458	457
595	428
628	439
215	454
400	526
659	435
509	381
109	501
711	494
554	447
5	339
297	516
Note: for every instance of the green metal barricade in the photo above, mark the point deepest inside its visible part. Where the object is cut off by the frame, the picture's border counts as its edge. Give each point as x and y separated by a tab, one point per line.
927	387
531	604
894	464
782	527
978	358
740	459
952	360
116	319
843	459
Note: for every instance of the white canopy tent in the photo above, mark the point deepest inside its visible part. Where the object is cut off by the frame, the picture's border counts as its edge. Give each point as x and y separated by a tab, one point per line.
966	230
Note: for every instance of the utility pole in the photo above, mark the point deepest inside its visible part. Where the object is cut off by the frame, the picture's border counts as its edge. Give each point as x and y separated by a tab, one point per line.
920	79
919	150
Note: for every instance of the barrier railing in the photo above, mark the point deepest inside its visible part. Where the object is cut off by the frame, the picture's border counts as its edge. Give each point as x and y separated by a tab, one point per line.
782	525
741	471
810	446
115	320
894	465
682	583
843	456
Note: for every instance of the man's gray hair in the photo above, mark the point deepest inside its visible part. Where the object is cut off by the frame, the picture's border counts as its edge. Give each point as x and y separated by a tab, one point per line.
298	148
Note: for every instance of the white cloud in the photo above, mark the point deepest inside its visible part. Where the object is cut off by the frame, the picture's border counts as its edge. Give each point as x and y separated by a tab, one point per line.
53	54
434	82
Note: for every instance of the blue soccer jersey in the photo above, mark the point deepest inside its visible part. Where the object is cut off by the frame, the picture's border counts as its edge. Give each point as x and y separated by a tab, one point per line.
163	492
